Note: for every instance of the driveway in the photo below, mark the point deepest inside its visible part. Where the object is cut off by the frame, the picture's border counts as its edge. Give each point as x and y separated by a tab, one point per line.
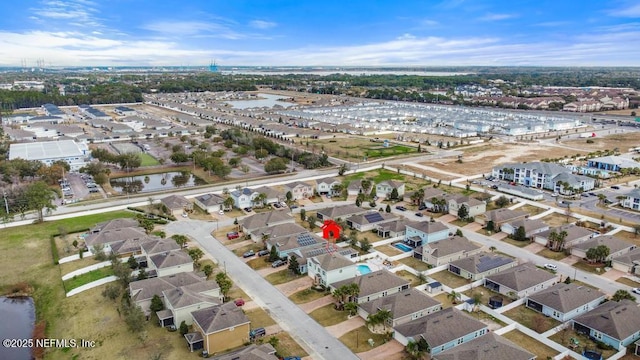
344	327
315	339
392	350
447	218
534	247
499	236
294	286
474	226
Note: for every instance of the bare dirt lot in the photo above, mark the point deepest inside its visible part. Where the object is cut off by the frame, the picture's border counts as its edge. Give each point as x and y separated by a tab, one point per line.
621	141
482	158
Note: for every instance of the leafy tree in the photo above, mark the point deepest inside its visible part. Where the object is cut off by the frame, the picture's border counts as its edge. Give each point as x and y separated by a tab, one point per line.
454	297
388	209
351	307
622	295
196	254
133	264
128	161
208	270
463	212
303	214
342	169
273	254
288	196
121	271
111	291
183	328
134	318
38	196
502	201
180	239
142	274
490	225
312	222
459	233
294	267
224	282
275	165
394	194
156	304
365	245
520	234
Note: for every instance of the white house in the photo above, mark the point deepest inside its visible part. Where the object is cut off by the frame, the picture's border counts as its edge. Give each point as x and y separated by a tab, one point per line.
243	198
330	268
474	206
384	188
565	301
327	186
299	190
632	200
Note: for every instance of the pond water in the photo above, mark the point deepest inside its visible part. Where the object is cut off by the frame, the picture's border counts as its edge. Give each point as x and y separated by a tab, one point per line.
18	319
267	100
155	182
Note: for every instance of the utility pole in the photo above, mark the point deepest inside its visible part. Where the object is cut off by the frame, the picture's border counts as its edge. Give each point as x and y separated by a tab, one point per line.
6	204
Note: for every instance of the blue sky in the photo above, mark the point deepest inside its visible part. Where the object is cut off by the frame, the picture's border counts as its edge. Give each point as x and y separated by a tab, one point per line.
321	33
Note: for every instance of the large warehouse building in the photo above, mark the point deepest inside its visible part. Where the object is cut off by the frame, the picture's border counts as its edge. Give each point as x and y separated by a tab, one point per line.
51	151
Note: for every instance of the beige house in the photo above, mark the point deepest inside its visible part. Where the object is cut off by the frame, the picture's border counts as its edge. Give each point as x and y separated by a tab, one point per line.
374	285
520	281
481	265
211	203
339	212
501	216
404	306
299	190
575	234
474	206
170	262
384	188
142	291
530	226
617	247
445	251
177	204
180	302
628	263
265	219
219	328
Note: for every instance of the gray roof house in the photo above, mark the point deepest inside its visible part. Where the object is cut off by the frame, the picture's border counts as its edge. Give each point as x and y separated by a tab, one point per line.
575	234
481	265
443	330
176	204
543	175
565	301
422	232
629	262
444	251
355	187
632	200
520	281
394	228
615	323
273	195
118	240
617	246
180	302
295	242
374	285
403	306
265	219
531	226
326	268
276	231
339	212
220	327
209	202
384	188
487	347
142	291
369	220
170	262
326	185
504	215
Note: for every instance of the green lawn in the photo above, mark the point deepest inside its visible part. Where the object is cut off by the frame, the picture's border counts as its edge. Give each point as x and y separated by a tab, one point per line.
147	160
410	277
287	346
376	176
584	266
282	277
258	263
416	264
448	278
86	278
553	255
328	315
259	318
306	295
358	340
373	152
539	349
532	319
516	242
628	282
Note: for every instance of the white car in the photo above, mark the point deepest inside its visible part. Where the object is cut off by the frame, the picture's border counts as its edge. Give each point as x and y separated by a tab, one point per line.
551	267
184	215
221	212
636	290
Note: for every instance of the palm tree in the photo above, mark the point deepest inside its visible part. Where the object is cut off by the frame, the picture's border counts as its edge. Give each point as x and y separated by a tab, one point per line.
228	203
260	199
418	349
601	198
492	249
351	307
454	296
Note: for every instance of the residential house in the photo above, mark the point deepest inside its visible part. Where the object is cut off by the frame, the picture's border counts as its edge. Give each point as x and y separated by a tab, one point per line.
474	206
251	352
369	220
443	330
384	189
181	302
394	228
521	191
616	324
531	227
575	234
299	190
276	231
219	328
121	241
565	301
158	247
326	269
170	262
272	195
499	217
404	306
617	246
288	244
211	203
487	347
265	219
327	186
355	187
424	232
339	212
431	194
445	251
480	265
243	198
628	263
543	175
142	291
632	200
520	281
612	163
177	204
374	285
303	254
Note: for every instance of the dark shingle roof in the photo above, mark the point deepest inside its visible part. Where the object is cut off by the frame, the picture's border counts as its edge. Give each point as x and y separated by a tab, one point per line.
220	317
566	297
374	282
441	327
486	347
451	245
613	243
482	262
521	277
616	319
401	304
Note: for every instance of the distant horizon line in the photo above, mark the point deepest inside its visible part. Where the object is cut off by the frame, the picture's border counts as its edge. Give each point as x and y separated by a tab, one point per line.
321	67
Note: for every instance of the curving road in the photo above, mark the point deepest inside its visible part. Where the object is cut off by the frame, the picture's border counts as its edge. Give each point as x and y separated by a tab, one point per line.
306	331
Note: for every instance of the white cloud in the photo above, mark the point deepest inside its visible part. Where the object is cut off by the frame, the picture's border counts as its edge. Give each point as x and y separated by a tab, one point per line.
497	17
429	22
174	29
406	36
82	12
261	24
632	11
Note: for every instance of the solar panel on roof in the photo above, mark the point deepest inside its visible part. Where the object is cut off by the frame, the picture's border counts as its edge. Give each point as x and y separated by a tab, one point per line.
316	252
373	217
306	240
486	263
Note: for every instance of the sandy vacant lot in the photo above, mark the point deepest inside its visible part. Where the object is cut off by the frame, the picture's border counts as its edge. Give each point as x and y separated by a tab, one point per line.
621	141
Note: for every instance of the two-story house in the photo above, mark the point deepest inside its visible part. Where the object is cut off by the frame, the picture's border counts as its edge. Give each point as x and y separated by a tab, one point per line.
445	251
142	291
565	301
374	285
421	233
219	328
385	188
299	190
243	198
326	269
180	302
443	330
632	200
474	206
327	186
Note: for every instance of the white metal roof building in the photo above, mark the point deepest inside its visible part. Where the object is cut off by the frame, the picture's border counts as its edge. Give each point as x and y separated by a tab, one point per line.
50	151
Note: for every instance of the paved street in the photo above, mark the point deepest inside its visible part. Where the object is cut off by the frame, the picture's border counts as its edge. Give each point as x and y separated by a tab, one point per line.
306	331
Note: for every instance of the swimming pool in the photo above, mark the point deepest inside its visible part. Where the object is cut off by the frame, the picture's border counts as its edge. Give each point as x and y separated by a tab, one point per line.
403	247
364	269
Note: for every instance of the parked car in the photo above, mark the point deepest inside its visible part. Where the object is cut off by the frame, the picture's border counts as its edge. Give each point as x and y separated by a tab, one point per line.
551	267
221	212
232	235
278	263
401	208
419	214
263	252
277	206
248	254
248	209
592	194
494	187
184	215
257	332
636	290
615	187
422	207
293	207
239	302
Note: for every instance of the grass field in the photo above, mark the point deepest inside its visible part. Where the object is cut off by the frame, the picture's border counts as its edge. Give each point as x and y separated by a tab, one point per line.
410	277
282	276
359	148
416	264
327	315
358	340
86	278
306	295
530	344
448	278
553	255
628	282
147	160
259	318
532	319
287	346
